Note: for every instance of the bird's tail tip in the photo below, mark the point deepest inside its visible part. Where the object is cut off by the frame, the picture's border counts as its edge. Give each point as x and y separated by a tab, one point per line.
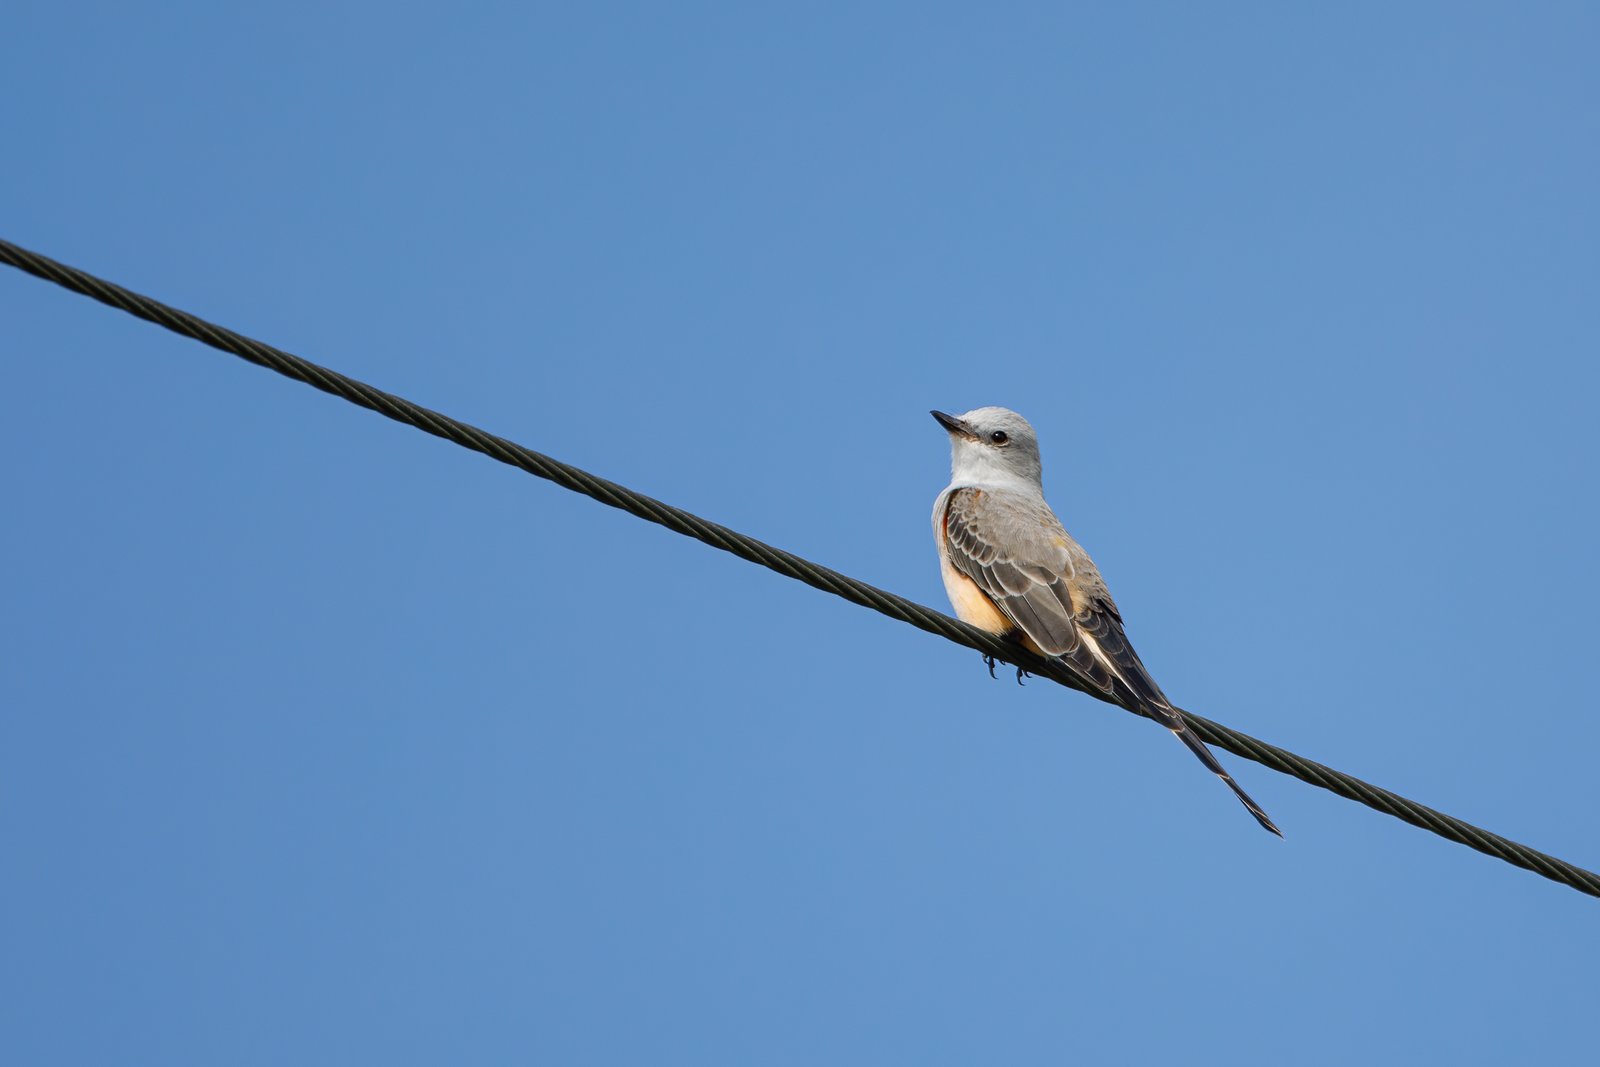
1266	822
1198	747
1250	805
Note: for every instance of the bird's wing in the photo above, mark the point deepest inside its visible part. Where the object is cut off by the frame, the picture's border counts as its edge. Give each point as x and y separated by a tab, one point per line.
1017	553
1100	623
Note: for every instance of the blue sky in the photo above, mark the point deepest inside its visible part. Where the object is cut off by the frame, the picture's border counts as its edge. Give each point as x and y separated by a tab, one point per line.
323	741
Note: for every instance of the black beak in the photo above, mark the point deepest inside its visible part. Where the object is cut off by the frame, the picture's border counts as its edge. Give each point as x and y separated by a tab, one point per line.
953	424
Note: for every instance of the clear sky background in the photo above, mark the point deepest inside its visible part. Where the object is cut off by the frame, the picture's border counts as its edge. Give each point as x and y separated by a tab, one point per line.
325	742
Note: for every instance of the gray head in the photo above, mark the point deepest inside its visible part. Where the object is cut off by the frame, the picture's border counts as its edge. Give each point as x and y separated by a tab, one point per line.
991	446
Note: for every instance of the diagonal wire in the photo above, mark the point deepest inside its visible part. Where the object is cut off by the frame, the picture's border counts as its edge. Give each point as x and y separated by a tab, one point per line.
785	563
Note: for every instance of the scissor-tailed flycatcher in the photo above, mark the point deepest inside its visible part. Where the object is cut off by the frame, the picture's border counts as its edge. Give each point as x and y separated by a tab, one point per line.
1011	568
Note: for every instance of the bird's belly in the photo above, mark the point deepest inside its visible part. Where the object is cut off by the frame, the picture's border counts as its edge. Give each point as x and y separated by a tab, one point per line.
972	604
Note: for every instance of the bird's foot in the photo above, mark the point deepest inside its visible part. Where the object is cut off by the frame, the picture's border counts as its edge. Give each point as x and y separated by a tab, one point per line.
1021	674
988	661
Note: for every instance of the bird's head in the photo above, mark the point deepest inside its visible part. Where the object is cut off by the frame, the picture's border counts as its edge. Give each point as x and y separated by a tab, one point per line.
990	446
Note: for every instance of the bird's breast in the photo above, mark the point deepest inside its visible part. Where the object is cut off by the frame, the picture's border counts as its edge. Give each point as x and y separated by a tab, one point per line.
972	605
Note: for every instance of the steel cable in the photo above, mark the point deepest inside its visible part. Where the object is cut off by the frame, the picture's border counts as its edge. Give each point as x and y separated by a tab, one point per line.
785	563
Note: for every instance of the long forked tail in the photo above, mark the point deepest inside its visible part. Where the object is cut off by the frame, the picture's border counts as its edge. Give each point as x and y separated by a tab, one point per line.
1205	755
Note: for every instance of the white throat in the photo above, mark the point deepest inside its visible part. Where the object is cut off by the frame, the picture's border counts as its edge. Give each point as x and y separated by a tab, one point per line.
973	464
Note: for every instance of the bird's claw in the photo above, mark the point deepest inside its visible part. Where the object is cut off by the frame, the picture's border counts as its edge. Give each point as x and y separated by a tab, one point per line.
990	661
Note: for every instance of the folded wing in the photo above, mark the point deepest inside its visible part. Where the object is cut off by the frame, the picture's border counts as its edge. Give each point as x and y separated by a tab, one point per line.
1016	551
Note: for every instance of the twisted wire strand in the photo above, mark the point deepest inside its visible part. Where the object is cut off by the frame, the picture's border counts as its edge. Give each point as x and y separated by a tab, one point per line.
776	559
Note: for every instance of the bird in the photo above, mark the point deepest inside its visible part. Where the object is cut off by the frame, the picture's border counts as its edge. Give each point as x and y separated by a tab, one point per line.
1010	568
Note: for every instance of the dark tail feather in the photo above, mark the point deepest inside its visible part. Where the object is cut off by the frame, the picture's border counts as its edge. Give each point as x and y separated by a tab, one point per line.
1204	754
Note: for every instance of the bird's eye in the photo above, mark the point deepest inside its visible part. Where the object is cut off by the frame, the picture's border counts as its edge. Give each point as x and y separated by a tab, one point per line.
999	437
